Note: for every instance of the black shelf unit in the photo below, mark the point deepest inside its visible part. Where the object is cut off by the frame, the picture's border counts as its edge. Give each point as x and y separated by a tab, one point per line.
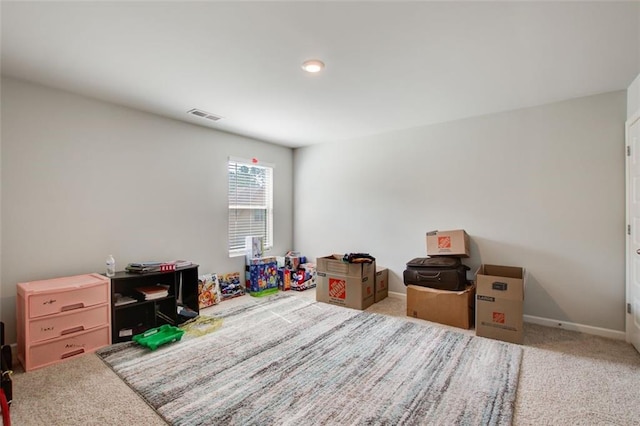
135	318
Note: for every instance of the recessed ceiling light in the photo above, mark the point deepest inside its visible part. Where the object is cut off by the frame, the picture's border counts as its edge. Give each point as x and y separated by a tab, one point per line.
313	65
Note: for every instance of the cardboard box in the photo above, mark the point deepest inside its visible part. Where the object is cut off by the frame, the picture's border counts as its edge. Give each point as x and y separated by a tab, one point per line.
453	308
448	243
382	284
345	284
499	302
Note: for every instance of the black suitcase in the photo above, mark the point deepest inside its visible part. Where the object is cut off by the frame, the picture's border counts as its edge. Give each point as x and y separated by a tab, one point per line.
440	272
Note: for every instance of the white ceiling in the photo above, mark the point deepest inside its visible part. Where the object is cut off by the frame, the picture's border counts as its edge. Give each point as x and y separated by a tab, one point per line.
389	65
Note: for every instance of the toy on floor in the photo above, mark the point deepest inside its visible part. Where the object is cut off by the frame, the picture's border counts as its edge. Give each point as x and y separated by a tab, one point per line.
155	337
201	325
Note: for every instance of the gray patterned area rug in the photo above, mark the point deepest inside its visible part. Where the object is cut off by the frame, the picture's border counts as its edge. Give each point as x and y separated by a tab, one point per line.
290	361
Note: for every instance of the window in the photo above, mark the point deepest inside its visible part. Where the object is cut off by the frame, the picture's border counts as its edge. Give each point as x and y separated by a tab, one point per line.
250	204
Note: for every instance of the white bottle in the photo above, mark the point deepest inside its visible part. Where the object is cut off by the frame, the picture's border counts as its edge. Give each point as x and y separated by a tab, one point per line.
111	266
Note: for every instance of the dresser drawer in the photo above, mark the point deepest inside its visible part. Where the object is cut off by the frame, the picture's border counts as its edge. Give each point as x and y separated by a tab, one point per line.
67	323
42	304
62	348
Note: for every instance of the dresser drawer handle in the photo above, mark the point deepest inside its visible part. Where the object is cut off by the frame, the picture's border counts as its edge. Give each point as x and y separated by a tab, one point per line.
72	353
72	330
72	307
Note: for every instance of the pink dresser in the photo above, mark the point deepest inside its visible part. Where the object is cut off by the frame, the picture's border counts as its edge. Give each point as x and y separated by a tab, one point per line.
62	318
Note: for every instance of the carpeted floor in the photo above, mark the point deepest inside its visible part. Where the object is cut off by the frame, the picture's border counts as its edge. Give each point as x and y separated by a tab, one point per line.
286	360
566	378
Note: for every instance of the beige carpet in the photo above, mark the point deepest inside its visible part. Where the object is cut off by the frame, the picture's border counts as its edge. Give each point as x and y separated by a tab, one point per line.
566	378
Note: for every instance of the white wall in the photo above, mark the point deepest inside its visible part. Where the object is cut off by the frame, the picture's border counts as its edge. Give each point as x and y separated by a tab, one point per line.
82	179
541	188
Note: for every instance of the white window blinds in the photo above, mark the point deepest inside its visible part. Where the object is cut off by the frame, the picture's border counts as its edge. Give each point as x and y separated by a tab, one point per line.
250	204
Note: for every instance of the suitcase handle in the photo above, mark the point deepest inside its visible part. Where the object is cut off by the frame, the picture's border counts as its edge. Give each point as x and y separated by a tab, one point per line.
426	277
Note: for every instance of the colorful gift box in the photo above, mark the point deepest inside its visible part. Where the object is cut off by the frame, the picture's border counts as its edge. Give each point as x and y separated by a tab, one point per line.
304	277
230	285
284	279
262	276
208	290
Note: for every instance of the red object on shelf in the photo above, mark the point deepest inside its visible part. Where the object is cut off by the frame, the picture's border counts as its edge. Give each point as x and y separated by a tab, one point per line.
166	267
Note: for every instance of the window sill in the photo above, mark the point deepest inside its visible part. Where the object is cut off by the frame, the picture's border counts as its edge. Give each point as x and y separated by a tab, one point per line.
241	253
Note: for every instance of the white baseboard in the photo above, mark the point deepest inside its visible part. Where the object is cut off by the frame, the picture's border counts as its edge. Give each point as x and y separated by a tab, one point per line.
587	329
547	322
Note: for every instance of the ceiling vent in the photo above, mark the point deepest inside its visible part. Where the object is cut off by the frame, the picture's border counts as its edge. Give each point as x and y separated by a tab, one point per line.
203	114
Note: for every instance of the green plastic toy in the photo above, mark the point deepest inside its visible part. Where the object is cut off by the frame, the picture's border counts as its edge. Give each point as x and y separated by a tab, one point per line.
155	337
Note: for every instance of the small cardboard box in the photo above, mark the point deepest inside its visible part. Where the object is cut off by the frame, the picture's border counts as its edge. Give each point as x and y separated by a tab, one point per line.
345	284
382	284
448	243
499	302
453	308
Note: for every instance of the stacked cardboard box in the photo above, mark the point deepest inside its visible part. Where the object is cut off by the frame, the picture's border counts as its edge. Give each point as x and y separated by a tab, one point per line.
455	308
448	243
345	284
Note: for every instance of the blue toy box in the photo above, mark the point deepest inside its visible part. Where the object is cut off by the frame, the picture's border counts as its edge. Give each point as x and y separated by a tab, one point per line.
262	276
